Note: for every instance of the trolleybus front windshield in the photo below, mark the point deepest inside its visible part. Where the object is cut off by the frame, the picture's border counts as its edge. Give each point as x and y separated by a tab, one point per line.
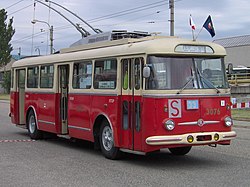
186	73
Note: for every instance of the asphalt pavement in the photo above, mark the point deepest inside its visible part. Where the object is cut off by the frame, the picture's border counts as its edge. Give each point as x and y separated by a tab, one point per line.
61	162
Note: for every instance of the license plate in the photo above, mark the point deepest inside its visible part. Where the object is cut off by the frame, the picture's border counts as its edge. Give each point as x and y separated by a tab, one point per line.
192	104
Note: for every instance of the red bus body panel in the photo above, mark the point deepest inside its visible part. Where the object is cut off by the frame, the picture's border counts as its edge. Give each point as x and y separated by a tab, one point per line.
210	109
14	107
47	109
84	109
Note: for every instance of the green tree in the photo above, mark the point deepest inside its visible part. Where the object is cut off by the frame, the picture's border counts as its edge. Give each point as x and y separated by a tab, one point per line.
6	33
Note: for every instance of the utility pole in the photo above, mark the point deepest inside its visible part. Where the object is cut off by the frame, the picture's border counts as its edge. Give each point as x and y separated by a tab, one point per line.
51	39
171	7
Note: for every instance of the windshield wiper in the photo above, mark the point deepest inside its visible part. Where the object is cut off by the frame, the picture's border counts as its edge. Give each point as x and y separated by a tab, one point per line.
185	85
207	81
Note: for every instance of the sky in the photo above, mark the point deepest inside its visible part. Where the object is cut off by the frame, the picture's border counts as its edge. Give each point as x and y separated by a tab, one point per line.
230	18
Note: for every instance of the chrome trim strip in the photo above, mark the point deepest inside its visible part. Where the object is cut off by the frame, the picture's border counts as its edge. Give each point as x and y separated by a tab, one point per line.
79	128
183	95
166	139
39	92
93	93
46	122
189	123
229	136
196	123
211	122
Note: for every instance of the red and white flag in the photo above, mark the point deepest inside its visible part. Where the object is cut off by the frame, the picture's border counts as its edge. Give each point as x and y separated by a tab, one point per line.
191	23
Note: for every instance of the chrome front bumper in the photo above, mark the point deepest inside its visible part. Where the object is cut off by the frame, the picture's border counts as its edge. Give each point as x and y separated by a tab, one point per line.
182	139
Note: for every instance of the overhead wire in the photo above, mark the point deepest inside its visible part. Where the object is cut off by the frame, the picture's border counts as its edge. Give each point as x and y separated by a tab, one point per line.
109	16
117	14
29	37
134	10
124	11
14	4
20	9
130	11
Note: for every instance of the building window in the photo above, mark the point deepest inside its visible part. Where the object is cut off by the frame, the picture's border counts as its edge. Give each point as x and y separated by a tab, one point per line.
47	76
82	75
105	74
32	81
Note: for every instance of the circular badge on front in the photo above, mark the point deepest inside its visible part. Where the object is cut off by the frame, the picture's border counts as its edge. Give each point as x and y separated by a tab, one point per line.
200	122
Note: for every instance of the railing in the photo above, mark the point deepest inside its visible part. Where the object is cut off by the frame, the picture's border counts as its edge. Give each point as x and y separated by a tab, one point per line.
239	78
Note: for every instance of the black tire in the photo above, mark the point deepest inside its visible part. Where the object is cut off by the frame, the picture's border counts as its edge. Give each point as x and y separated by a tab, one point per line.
180	150
34	133
106	140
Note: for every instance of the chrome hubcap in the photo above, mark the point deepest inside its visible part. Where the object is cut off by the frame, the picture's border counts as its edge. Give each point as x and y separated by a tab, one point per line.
107	138
32	124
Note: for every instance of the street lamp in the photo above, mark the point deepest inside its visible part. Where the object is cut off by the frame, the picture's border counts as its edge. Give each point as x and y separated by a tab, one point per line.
37	49
50	31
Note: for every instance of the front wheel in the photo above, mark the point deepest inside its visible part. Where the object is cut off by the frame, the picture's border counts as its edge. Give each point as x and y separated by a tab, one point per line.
106	139
180	150
32	127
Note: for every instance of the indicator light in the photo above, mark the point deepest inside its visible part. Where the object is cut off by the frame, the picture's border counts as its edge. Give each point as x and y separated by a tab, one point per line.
190	139
216	137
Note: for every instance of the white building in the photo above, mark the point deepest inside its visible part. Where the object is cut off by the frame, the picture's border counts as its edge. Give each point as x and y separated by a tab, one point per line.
238	50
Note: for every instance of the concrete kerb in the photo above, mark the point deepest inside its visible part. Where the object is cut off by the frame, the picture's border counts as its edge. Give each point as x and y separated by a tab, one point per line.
4	101
241	124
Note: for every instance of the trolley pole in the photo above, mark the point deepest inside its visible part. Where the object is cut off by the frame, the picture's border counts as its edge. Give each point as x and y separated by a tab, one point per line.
171	7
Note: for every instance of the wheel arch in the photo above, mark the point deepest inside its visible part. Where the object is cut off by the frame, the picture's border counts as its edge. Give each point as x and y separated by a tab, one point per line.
97	126
31	108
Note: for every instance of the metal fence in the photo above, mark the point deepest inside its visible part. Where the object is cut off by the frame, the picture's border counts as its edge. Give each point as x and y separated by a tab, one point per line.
239	78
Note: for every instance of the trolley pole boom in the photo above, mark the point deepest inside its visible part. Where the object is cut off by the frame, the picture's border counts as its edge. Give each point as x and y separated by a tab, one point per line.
83	32
95	30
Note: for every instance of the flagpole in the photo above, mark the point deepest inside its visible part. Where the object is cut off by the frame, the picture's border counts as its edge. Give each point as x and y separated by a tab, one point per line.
198	33
191	23
193	35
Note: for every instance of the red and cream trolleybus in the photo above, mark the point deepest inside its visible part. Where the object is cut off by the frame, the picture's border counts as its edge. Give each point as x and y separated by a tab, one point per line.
132	94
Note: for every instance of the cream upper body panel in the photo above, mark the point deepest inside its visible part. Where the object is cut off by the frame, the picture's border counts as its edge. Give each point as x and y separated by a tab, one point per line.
124	47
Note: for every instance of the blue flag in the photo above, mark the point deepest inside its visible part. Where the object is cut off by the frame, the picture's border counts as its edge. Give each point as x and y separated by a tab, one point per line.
208	25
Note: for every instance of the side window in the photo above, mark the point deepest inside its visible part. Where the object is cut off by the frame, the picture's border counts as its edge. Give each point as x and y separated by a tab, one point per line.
47	76
125	74
82	75
32	80
137	74
105	76
21	78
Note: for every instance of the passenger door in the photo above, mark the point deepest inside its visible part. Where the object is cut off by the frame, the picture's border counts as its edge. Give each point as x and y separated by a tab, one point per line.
21	74
131	103
63	78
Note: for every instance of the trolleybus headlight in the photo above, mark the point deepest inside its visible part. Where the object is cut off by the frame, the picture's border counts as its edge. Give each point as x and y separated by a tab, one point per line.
169	125
228	121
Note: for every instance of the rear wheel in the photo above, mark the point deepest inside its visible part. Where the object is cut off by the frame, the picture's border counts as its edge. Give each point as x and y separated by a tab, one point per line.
32	127
106	139
180	150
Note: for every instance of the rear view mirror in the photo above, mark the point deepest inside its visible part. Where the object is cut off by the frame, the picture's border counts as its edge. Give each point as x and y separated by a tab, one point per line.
230	68
146	72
